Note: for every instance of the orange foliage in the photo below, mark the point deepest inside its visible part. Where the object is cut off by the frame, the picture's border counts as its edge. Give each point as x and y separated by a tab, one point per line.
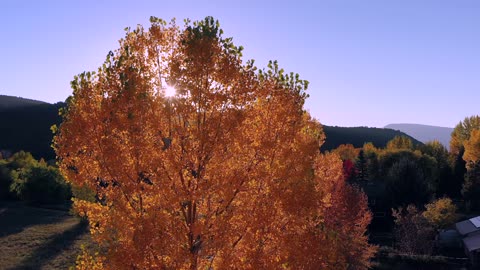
462	132
472	147
225	174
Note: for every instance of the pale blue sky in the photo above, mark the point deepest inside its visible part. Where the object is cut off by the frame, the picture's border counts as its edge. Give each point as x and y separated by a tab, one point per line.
370	63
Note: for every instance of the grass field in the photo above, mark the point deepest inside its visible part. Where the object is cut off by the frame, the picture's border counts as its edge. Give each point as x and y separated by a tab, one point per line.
37	238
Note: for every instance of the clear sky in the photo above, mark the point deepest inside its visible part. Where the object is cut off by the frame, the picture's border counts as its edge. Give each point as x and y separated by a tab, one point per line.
369	63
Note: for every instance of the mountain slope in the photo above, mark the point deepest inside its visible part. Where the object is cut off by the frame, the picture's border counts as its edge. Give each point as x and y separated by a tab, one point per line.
25	125
9	102
28	128
359	135
425	133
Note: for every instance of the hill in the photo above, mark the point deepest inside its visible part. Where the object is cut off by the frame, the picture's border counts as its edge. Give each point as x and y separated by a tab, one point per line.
9	102
27	127
425	133
360	135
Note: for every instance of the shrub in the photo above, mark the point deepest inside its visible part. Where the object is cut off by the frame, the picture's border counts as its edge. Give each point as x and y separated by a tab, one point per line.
441	213
413	232
40	184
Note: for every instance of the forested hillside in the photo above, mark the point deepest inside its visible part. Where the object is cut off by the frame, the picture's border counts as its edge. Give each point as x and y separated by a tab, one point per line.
28	127
25	125
7	102
357	136
425	133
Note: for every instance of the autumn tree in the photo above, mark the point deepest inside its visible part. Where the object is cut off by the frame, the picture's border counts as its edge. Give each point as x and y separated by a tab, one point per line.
461	133
343	226
471	186
369	147
440	213
472	148
223	173
346	152
399	143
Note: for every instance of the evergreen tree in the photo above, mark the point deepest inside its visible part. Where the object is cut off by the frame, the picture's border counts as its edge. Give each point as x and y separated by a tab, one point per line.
361	166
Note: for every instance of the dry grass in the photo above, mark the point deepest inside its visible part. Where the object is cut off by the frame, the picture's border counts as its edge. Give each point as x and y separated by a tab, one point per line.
35	238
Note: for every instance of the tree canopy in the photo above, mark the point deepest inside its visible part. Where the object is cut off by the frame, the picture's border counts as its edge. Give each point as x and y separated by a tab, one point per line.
471	185
461	133
400	142
226	173
441	213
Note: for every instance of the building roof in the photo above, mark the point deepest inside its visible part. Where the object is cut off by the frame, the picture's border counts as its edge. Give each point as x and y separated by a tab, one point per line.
466	227
472	242
476	221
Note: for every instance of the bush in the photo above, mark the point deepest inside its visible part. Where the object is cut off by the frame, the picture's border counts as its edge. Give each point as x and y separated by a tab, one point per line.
413	232
40	184
441	213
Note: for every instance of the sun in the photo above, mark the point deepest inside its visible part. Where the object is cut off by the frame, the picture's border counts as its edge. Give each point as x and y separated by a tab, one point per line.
170	91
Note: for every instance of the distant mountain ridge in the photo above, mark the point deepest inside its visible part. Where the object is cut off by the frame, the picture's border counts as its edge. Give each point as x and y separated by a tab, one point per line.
357	136
25	125
8	102
425	133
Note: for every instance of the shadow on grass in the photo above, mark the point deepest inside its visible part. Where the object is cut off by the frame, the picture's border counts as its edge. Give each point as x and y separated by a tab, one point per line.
48	251
15	217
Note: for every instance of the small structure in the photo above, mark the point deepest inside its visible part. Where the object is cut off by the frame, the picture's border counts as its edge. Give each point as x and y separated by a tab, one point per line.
470	231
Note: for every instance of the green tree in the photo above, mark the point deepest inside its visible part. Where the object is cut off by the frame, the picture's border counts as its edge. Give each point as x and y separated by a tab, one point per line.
21	160
12	168
361	166
40	184
471	187
387	158
405	183
442	181
430	171
459	169
373	165
435	149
